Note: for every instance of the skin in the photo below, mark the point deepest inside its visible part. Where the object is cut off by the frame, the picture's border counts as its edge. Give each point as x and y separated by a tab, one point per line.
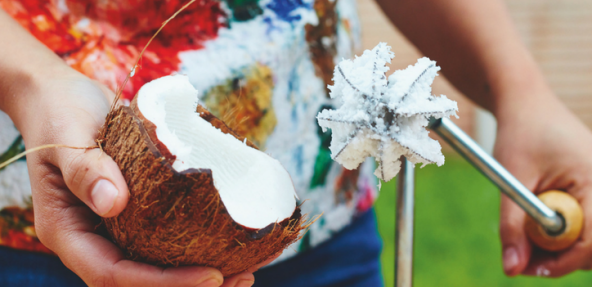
479	52
538	139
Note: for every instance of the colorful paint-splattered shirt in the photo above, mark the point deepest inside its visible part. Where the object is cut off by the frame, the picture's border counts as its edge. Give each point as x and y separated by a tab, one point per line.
263	66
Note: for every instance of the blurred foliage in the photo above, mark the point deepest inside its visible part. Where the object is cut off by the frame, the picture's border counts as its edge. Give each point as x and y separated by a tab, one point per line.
456	231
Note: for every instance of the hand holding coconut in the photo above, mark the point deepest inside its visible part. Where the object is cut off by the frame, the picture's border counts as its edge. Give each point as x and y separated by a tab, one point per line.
200	194
51	103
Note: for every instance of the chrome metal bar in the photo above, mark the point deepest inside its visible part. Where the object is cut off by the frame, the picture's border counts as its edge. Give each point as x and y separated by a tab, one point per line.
508	184
404	225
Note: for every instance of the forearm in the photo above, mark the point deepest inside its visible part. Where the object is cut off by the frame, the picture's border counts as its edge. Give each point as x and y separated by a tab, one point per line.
476	45
24	62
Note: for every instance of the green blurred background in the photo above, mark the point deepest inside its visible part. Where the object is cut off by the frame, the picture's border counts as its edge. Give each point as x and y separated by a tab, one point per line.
456	231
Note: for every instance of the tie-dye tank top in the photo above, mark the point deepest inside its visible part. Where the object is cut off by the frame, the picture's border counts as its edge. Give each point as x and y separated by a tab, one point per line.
262	65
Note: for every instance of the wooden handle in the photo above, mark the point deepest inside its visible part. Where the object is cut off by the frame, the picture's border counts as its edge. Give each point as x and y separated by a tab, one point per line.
571	211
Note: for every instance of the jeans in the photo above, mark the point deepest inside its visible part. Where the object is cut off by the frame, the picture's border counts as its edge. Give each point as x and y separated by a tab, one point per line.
350	258
28	269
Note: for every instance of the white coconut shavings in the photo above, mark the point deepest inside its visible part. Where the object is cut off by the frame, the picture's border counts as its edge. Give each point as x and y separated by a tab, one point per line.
382	118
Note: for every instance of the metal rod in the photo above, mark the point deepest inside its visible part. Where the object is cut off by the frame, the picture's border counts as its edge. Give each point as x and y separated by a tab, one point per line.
404	225
508	184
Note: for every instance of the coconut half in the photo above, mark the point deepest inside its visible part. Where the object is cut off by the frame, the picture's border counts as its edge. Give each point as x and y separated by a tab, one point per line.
200	193
254	187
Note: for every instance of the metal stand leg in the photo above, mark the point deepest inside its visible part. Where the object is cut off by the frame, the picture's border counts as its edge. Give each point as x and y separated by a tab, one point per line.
404	225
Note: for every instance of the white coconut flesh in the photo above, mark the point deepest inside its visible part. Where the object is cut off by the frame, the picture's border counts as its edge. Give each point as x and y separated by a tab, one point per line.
254	187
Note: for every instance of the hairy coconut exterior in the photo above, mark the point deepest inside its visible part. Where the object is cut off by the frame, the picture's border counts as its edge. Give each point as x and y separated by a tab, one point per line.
176	219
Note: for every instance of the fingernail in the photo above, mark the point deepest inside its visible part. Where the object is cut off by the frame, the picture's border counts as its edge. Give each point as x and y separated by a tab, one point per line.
211	279
103	196
511	259
245	283
542	271
210	282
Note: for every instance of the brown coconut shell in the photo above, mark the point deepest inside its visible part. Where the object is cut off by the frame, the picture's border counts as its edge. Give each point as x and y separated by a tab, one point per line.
178	219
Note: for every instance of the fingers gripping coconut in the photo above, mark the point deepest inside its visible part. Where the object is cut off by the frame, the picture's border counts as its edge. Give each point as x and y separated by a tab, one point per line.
199	193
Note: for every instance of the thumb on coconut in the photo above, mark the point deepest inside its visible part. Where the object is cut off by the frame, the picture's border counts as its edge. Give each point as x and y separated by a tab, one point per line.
516	249
95	179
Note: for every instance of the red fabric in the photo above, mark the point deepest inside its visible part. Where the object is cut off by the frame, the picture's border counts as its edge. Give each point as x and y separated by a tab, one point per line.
103	39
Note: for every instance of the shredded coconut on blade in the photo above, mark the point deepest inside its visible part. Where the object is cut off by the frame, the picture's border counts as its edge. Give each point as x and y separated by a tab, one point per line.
384	118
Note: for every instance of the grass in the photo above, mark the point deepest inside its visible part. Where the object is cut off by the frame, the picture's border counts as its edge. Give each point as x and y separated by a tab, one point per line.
456	231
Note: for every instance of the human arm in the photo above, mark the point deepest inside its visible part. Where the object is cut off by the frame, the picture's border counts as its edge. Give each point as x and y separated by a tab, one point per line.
539	140
50	103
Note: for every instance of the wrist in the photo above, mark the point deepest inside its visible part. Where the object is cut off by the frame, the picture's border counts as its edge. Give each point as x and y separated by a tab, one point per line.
518	88
24	89
28	67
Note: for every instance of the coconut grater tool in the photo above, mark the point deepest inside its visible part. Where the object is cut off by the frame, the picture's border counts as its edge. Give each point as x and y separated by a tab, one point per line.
555	222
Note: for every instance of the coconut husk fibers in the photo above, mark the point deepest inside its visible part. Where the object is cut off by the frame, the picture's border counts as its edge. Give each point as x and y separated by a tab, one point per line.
177	219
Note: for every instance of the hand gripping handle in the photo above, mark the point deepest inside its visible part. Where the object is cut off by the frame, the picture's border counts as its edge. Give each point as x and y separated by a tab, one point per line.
556	219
